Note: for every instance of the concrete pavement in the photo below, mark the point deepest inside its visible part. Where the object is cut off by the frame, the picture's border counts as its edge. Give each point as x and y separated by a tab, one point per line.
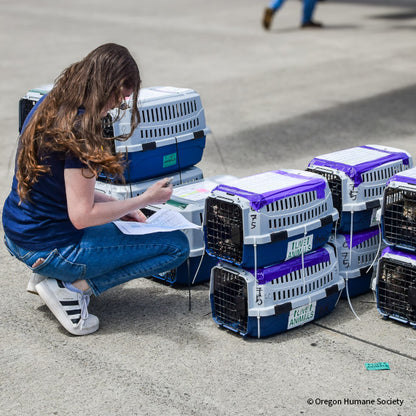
273	100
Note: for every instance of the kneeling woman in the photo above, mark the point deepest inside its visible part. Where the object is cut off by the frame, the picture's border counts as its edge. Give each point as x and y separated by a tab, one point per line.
54	220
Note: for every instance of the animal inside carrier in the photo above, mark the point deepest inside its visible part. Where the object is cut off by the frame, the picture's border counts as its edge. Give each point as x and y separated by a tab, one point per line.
396	286
189	200
399	211
357	178
268	218
171	134
129	190
282	297
357	259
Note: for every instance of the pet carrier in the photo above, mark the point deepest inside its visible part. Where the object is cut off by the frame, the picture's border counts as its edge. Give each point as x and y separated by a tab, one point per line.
396	286
268	218
27	102
282	297
357	257
399	211
130	190
171	134
357	178
189	200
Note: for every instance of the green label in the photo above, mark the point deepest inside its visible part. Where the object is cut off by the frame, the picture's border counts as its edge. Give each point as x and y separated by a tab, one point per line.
169	160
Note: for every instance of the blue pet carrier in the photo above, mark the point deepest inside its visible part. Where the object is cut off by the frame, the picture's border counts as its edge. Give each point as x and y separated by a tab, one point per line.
268	218
399	211
170	137
189	200
357	178
396	286
357	259
282	297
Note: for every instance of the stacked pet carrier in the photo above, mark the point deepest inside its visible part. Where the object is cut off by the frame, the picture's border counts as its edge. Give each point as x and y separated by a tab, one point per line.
169	140
269	232
357	178
396	275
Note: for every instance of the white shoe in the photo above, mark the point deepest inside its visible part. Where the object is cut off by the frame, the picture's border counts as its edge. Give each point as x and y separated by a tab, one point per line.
68	306
33	281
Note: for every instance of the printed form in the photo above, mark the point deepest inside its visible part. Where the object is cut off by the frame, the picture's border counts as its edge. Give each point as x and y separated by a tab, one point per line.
161	221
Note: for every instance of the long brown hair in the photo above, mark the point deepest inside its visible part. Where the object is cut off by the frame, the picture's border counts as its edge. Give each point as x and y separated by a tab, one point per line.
57	126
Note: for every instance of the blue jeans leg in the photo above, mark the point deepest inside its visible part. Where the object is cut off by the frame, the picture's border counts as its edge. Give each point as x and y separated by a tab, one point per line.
105	257
308	9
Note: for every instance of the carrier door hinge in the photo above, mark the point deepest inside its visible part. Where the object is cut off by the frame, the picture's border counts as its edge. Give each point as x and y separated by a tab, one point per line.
280	236
149	146
331	290
199	134
372	204
283	308
326	220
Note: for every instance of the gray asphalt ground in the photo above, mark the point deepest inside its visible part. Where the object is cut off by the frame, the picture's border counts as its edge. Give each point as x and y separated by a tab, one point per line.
273	100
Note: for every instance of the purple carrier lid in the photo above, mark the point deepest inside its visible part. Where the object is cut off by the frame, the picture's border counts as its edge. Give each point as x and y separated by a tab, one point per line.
391	250
258	199
267	274
361	236
354	171
409	176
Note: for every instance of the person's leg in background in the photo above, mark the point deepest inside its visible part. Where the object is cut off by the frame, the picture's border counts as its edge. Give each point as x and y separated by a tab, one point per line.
269	12
307	15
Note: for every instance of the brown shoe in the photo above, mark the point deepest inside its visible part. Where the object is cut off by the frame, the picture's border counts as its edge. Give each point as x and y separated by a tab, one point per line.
311	25
267	18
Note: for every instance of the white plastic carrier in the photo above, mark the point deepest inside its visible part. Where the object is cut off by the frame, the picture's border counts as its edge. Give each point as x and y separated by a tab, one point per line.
274	299
396	286
357	177
399	211
357	259
268	218
129	190
171	134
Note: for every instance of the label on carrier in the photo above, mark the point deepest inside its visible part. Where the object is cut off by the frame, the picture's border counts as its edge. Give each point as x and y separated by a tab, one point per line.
301	315
295	248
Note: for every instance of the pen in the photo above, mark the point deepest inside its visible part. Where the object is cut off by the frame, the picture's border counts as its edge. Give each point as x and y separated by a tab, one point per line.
168	182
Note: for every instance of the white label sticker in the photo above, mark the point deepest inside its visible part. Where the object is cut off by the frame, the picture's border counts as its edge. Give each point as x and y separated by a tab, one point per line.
295	248
301	315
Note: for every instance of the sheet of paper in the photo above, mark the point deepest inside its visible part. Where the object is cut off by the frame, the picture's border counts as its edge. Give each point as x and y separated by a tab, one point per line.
161	221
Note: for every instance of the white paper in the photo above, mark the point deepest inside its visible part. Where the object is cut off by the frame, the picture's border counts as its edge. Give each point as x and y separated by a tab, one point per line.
161	221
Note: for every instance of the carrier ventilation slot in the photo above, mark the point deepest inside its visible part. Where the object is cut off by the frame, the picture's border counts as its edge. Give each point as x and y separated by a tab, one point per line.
168	112
230	300
382	174
224	229
298	218
397	290
292	202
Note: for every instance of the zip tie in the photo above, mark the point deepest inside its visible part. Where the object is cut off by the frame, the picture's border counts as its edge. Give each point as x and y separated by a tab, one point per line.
349	300
378	249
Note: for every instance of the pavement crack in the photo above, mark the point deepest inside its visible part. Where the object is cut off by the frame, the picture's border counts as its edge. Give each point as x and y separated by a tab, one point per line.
373	344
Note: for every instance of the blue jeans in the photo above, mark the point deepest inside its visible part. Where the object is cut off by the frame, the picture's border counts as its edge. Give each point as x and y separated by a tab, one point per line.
308	8
106	258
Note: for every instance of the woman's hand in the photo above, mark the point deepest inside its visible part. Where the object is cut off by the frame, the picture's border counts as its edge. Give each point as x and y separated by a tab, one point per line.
159	192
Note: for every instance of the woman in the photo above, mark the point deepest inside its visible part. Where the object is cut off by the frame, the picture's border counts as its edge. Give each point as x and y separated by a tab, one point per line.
54	220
